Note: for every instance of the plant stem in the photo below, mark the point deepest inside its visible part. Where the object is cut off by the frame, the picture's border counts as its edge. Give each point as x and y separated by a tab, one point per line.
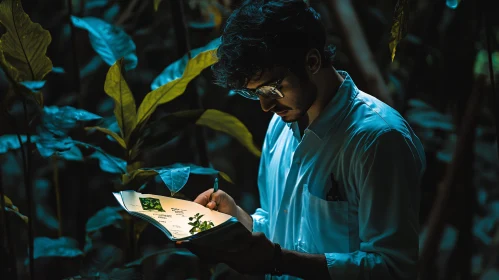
437	216
76	68
29	193
495	98
10	262
57	192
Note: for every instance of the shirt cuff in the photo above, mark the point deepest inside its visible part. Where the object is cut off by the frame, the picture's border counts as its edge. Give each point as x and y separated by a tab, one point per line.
260	221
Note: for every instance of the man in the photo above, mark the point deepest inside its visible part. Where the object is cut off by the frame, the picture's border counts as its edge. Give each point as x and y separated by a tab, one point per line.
340	170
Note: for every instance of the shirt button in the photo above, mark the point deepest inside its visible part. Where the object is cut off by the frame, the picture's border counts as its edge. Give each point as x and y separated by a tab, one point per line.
285	211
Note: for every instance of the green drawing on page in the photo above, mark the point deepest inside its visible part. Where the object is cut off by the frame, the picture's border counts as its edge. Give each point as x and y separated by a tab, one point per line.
149	203
199	226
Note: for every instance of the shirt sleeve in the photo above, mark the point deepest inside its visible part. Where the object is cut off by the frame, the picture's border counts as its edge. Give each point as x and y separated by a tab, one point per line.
261	215
388	178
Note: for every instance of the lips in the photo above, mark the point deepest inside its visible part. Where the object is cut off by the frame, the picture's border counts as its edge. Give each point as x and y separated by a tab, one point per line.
281	113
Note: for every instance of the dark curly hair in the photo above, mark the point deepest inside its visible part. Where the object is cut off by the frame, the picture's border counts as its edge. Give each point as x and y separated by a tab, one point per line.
263	34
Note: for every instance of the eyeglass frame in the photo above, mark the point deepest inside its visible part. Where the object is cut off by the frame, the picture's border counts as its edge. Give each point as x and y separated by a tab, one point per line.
274	84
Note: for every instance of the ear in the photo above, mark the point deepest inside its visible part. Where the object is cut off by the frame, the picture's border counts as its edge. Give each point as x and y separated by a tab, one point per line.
313	61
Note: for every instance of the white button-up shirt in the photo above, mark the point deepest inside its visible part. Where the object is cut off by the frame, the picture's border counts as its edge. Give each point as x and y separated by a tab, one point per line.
367	154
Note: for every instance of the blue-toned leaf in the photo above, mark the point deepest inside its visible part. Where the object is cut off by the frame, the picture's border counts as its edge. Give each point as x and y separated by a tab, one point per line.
425	116
58	70
109	41
73	154
11	142
106	217
48	145
60	120
176	69
199	170
109	163
63	247
111	13
91	66
44	213
175	178
33	86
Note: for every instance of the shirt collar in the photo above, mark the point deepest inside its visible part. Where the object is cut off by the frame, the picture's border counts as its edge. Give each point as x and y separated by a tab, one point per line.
334	111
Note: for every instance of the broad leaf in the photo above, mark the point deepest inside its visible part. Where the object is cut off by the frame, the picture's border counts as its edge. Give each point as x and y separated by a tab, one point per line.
176	87
109	163
100	257
176	69
165	129
109	133
45	214
61	119
49	145
10	207
73	154
108	216
229	124
33	86
124	104
425	116
109	41
199	170
175	178
63	247
56	124
24	44
156	4
399	26
11	142
137	178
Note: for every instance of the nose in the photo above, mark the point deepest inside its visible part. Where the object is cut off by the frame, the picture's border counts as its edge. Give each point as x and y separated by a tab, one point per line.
267	103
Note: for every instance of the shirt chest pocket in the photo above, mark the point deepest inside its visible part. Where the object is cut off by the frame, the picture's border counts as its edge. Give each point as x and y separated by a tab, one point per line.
324	225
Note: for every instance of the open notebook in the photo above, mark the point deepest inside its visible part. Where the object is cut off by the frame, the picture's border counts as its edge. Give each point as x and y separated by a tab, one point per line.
182	219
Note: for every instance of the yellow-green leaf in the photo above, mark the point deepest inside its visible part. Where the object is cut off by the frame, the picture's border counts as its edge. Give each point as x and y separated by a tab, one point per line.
10	207
399	27
226	177
231	125
23	47
124	104
176	87
156	4
110	133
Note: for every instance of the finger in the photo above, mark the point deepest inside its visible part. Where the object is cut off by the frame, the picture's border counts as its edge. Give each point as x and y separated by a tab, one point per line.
212	205
204	197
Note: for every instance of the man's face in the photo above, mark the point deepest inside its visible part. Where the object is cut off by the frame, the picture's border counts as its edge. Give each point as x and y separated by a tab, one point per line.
298	95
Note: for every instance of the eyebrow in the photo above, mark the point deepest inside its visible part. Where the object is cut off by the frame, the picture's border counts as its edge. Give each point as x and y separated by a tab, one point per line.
264	84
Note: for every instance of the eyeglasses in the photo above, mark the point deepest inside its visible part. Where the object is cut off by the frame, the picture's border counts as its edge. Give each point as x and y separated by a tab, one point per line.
271	89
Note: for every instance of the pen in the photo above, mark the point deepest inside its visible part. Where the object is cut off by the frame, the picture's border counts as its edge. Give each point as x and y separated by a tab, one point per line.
215	188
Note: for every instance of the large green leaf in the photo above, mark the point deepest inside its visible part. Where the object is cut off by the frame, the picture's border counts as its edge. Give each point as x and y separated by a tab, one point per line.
109	163
24	45
165	129
176	87
176	69
109	41
229	124
124	104
110	133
